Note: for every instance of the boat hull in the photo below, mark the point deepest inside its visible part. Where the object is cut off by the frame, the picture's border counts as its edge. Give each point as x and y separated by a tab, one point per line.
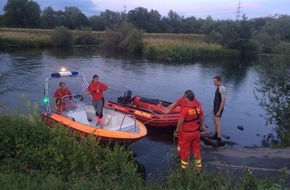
150	118
102	135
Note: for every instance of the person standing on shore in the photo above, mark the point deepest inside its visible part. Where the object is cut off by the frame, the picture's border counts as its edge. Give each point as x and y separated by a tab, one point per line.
190	124
218	108
96	89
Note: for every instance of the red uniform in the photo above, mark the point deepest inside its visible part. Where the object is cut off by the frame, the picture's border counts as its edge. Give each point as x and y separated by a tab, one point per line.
189	134
182	102
58	95
96	90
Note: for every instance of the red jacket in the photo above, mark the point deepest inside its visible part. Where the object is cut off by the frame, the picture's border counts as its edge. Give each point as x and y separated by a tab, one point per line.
96	90
191	112
182	102
59	93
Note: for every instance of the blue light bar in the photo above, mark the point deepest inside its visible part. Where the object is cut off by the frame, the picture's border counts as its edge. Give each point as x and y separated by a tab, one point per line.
64	73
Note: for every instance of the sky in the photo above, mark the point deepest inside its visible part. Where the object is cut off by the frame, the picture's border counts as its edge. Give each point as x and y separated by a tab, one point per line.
218	9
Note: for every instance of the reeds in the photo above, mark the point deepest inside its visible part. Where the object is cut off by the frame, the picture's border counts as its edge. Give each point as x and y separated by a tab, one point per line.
183	47
18	38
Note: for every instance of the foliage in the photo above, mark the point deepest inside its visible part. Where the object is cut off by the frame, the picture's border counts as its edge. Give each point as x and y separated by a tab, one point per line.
50	18
85	36
97	23
282	48
74	18
274	85
24	38
124	38
249	181
34	156
111	18
62	37
22	14
178	47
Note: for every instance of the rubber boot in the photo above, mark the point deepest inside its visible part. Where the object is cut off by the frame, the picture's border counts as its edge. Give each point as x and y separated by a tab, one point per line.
101	121
98	121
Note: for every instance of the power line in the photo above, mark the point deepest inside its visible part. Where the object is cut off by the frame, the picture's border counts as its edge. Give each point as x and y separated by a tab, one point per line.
239	10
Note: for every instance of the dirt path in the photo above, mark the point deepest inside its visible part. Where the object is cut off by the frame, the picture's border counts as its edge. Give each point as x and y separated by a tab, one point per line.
263	162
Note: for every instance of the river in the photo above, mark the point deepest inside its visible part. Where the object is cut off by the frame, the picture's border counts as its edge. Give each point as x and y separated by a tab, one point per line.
22	73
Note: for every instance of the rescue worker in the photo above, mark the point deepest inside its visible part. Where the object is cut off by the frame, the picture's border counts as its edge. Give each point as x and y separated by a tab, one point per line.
179	102
58	98
96	89
218	108
190	123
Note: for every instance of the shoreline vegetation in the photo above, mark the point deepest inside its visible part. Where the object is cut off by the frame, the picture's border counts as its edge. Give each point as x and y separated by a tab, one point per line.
128	39
167	47
34	156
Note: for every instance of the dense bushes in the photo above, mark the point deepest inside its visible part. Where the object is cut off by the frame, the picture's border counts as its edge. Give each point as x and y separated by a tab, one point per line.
274	87
85	36
124	38
62	37
39	157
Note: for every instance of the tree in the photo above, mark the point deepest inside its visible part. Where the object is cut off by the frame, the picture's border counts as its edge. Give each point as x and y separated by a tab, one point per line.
74	18
1	20
22	14
49	18
140	18
125	37
97	23
274	87
111	18
191	25
154	18
174	22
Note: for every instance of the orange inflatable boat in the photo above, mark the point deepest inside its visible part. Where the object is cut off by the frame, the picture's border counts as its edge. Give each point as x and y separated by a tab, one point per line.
149	111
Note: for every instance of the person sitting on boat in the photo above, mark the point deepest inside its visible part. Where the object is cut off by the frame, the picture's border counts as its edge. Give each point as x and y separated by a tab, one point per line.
96	89
189	126
59	97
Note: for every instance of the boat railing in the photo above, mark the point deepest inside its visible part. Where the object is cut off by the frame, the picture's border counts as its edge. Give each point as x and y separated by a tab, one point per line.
132	116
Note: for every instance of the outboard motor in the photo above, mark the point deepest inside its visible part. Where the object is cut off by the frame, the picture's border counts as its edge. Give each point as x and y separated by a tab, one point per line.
126	98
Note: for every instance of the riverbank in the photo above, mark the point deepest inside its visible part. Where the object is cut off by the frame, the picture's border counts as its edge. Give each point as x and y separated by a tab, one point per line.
34	156
166	47
264	163
184	47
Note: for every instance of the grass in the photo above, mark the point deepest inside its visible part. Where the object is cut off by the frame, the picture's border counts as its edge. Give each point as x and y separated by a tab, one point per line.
17	38
183	47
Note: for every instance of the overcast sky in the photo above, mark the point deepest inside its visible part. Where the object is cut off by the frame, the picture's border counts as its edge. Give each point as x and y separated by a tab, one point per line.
218	9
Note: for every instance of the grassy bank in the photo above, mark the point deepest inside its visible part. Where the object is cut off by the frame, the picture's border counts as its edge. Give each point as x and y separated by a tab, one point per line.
16	38
34	156
169	47
183	47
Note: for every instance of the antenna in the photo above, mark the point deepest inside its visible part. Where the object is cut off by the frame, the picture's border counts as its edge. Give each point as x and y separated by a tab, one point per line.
125	8
239	10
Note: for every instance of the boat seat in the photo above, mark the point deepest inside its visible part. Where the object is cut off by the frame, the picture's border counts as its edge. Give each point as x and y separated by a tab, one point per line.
149	100
79	116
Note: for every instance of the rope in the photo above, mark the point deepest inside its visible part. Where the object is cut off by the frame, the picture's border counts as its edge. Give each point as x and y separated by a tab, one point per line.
208	114
149	121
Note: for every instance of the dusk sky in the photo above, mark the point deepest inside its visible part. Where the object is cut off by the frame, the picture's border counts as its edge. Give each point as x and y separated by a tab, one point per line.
221	9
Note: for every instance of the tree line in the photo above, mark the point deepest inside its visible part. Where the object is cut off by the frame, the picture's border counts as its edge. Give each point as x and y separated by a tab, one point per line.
249	36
